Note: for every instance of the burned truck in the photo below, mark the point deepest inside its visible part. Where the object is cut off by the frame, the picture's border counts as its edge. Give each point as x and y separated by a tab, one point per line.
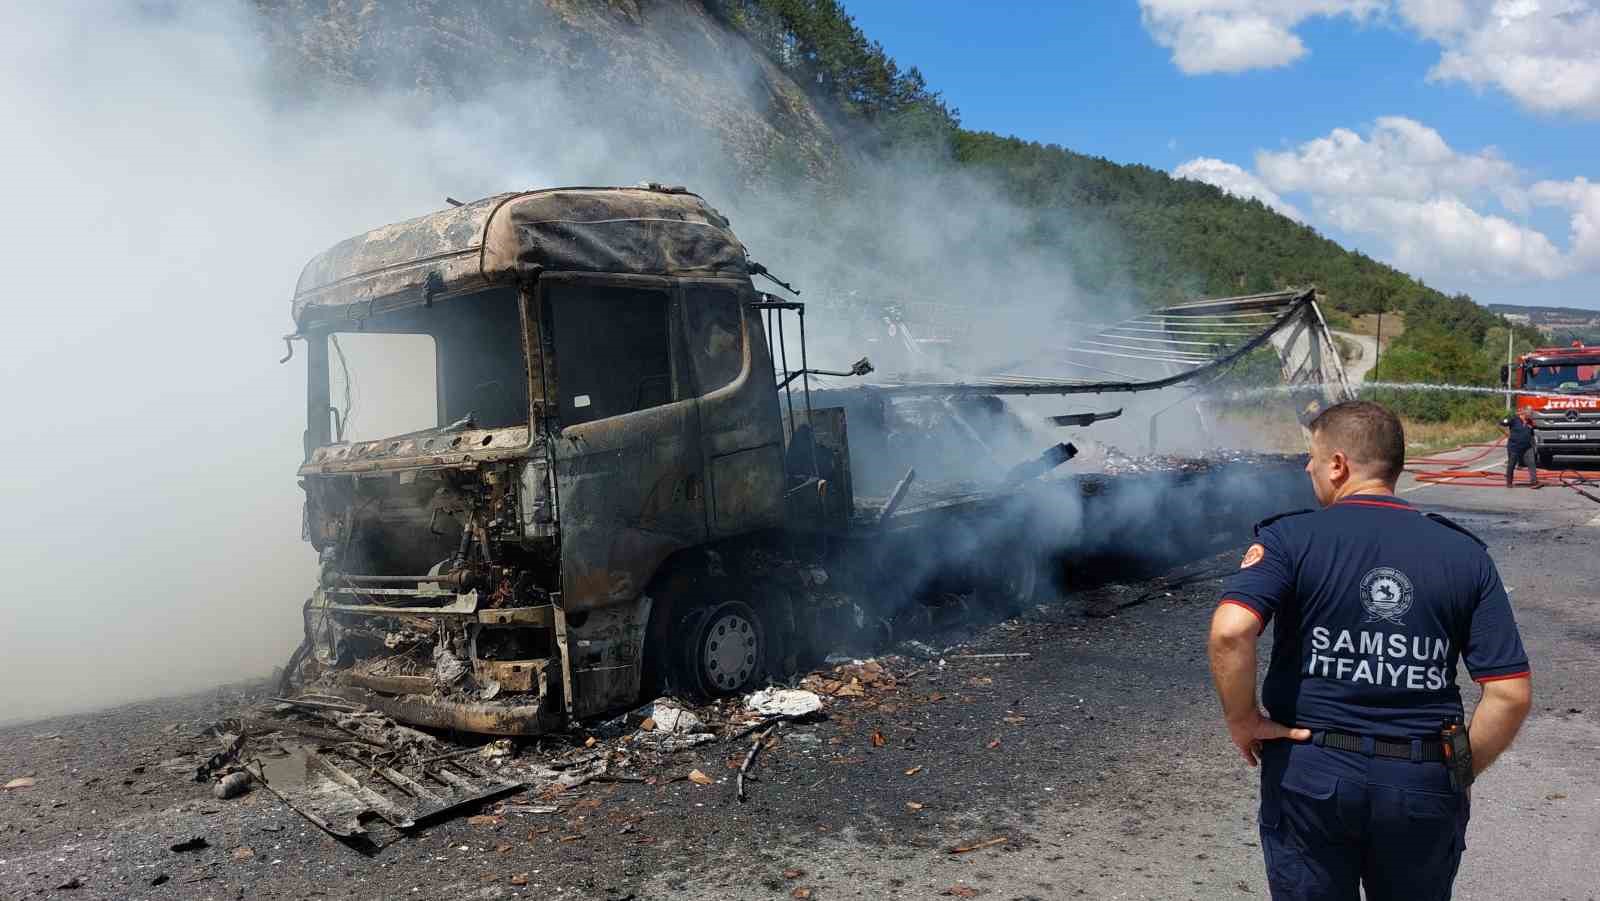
613	476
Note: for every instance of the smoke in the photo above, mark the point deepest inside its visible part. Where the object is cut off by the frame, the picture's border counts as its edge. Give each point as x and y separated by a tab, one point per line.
174	164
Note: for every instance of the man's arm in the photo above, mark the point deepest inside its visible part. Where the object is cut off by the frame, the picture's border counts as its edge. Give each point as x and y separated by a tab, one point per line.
1498	716
1234	628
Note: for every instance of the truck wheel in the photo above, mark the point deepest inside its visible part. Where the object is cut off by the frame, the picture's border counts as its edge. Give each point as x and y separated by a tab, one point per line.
726	650
1544	459
1011	583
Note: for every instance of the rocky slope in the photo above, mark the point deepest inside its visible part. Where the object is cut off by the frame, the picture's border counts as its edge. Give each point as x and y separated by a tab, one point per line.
636	70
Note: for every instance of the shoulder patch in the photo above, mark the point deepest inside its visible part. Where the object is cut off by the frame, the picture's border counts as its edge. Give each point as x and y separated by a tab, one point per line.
1272	519
1253	556
1449	524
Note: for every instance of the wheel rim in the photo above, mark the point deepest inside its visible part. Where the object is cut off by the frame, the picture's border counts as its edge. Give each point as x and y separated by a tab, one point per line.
729	652
1020	579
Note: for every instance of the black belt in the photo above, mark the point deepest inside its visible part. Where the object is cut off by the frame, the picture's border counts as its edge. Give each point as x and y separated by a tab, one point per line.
1432	750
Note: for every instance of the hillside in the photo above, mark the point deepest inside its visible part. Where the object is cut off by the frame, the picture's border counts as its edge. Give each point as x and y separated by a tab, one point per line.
800	125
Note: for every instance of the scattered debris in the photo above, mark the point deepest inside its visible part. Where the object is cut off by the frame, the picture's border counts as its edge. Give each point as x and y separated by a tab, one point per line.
74	882
913	806
801	893
793	873
232	785
961	891
699	778
668	743
755	748
917	650
914	770
499	750
533	809
987	656
993	744
792	702
243	853
159	879
667	715
851	680
520	879
21	782
190	844
878	740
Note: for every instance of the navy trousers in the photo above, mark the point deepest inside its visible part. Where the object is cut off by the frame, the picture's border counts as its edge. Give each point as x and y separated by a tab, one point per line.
1333	821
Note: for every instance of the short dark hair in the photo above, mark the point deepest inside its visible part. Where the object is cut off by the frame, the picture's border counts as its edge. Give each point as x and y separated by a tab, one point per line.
1370	436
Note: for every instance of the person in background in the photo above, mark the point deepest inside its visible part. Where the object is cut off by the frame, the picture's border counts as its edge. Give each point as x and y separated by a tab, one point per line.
1519	446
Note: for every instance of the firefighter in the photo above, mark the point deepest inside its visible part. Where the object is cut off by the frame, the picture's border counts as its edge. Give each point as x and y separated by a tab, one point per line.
1519	446
1365	762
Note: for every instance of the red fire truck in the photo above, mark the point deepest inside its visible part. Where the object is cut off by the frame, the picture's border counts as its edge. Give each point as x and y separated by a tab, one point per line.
1561	385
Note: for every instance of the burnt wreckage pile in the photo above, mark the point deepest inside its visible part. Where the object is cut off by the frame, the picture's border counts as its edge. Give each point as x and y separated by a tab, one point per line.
629	476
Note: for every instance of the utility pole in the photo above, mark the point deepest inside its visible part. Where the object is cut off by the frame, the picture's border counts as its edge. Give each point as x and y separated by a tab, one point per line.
1377	354
1511	332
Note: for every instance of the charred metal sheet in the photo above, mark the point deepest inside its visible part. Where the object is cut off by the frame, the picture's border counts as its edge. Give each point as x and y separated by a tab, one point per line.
1195	339
512	675
542	617
389	683
464	249
458	716
1083	419
433	448
341	790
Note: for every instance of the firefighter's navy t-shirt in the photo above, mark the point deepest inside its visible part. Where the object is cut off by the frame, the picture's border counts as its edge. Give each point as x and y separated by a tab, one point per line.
1521	434
1372	604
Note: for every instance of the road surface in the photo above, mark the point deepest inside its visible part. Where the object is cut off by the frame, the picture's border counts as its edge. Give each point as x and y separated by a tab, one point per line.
1094	767
1356	370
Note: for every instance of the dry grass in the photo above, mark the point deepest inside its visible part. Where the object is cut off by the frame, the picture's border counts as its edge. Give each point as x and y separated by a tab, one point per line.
1423	438
1394	325
1273	429
1270	428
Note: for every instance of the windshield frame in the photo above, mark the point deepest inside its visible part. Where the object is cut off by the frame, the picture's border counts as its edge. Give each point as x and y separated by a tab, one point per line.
1572	367
456	327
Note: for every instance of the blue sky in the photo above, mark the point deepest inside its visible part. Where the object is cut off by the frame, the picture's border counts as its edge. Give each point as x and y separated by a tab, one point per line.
1452	138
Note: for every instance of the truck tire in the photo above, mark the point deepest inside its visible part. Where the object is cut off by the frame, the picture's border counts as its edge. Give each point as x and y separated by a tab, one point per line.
1011	582
723	650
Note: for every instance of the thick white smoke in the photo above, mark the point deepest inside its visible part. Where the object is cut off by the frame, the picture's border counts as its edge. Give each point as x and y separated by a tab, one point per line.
167	177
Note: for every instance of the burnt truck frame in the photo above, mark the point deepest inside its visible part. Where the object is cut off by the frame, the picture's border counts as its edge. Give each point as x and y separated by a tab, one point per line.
630	491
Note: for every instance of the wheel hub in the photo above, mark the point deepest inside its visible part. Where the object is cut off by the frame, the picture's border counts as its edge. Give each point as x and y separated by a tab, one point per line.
728	654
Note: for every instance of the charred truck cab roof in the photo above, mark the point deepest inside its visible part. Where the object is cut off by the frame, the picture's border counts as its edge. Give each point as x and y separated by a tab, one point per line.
604	401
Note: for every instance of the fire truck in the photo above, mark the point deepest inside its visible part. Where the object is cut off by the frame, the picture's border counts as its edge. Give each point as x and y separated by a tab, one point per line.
1561	385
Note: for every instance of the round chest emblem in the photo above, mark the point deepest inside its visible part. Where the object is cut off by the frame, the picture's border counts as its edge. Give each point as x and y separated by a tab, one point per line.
1386	593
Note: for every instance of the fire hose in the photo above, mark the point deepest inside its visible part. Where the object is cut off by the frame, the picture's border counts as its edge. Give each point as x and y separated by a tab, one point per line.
1441	470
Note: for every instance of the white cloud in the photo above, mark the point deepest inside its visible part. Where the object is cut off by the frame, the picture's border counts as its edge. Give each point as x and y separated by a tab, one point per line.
1400	158
1237	182
1542	53
1545	54
1582	198
1445	214
1446	240
1207	36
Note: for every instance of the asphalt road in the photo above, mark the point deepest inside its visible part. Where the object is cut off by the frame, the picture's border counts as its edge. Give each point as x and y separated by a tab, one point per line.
1356	370
1094	767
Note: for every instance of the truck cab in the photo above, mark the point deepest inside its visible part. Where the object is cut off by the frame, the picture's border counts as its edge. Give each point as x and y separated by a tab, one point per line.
518	411
1561	386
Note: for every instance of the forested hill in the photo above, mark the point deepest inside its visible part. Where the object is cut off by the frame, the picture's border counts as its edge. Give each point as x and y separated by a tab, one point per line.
785	107
1127	226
